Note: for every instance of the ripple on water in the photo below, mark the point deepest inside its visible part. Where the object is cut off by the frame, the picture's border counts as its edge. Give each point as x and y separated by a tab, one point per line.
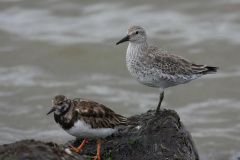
104	20
12	134
220	122
112	94
28	76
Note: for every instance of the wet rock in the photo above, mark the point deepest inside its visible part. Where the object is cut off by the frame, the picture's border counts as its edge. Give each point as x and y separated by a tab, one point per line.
36	150
162	137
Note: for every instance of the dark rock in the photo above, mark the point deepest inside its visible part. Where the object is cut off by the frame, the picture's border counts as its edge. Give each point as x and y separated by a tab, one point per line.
160	137
35	150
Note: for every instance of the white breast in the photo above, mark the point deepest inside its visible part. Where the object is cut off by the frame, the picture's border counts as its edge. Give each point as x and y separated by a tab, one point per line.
135	64
83	130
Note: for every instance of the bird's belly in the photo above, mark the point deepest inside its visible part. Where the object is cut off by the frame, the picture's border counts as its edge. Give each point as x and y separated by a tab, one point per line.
155	78
83	130
152	81
146	76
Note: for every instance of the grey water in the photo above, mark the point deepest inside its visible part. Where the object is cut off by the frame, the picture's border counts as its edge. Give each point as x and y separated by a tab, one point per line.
52	47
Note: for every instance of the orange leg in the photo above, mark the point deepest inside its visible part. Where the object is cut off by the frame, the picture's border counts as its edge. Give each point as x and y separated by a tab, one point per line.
79	148
98	150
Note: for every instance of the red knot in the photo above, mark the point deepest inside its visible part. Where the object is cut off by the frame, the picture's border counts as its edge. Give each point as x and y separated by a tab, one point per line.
155	67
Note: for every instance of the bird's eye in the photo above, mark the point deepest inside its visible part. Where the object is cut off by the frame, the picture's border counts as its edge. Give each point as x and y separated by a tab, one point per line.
137	32
60	103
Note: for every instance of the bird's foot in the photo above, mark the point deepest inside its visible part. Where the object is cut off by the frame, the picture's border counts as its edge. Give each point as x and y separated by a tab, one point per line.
75	149
157	112
96	157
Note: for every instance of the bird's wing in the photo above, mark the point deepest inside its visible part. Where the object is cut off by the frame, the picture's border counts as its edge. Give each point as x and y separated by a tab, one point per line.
98	115
169	63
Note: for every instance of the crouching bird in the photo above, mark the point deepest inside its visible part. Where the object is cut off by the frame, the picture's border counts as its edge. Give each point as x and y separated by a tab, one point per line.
86	119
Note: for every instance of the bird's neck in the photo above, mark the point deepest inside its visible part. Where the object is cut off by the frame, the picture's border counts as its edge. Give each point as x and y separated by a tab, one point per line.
137	48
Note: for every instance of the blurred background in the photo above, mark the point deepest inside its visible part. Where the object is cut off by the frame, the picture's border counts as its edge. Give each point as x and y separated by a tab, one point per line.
52	47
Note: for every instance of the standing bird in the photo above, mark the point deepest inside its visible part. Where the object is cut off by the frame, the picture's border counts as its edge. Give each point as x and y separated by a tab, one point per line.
86	119
155	67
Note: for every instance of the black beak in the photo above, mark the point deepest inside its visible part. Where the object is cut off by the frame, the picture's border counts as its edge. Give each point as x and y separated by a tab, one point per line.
124	40
52	110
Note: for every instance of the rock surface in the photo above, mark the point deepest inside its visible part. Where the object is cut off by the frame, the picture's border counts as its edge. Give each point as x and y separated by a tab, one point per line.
162	137
36	150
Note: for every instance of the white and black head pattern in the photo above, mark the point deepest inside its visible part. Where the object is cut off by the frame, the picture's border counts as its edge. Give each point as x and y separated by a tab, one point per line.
84	118
60	105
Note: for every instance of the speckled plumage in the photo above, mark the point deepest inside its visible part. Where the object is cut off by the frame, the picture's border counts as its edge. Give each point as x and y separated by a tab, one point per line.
155	67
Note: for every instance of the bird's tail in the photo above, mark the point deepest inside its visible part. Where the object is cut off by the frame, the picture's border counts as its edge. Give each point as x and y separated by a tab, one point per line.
204	69
123	120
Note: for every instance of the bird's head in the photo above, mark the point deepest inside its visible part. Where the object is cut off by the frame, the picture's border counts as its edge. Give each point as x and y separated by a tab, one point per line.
60	105
135	34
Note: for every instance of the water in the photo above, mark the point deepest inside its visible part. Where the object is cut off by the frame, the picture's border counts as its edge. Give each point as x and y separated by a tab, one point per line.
68	47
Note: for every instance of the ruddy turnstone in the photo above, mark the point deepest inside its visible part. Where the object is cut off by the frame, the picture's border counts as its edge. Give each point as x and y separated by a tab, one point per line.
86	119
155	67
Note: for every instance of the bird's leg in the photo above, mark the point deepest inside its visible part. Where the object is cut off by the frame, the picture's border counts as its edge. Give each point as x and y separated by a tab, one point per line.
160	100
79	148
98	150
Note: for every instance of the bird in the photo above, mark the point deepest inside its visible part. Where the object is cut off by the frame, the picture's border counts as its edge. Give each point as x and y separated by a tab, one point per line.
86	119
155	67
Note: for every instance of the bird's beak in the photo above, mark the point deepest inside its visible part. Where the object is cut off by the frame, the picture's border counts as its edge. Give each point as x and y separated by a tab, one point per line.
124	40
52	110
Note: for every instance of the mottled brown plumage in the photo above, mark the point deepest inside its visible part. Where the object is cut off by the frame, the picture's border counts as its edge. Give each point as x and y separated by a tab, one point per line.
86	119
92	113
